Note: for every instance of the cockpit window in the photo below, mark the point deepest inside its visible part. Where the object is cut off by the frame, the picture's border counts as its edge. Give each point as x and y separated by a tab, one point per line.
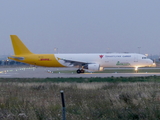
144	57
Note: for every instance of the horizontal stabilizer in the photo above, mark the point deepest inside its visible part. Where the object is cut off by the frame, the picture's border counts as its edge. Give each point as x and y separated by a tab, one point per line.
19	58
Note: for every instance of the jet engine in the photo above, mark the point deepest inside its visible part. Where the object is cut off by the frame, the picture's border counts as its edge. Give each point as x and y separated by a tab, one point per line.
94	67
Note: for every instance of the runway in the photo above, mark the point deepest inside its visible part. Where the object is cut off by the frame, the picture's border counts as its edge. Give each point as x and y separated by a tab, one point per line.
40	72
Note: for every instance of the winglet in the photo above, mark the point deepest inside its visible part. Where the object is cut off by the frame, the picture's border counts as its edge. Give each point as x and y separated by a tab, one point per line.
18	46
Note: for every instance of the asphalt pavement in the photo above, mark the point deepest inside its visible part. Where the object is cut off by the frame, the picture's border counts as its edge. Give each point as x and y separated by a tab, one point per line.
42	72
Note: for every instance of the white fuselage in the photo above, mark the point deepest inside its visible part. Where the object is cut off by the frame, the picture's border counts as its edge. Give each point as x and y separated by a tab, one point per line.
108	59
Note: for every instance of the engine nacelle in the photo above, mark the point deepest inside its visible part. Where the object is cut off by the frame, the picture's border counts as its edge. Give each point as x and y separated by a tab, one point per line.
94	67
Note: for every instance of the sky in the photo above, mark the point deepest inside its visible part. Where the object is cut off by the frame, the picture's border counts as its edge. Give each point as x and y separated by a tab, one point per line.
81	26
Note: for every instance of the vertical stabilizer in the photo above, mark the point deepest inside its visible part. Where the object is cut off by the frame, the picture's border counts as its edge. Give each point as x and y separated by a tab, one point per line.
18	46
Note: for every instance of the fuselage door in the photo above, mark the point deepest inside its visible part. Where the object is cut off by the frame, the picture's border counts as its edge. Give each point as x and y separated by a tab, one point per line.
135	58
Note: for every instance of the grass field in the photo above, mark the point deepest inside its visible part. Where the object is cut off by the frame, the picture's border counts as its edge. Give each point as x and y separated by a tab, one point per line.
132	98
83	80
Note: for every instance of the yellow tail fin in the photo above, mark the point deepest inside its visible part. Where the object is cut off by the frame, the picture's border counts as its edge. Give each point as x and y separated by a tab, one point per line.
18	46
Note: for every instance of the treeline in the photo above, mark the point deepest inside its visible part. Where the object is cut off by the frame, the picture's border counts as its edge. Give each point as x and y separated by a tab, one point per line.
11	62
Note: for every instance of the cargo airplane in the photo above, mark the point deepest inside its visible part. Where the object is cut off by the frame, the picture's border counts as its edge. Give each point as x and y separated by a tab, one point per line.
91	62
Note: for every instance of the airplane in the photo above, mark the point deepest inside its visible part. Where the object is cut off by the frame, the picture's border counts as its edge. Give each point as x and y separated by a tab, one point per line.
90	62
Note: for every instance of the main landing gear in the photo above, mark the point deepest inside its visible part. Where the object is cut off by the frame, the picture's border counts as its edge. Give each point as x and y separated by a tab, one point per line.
80	71
136	69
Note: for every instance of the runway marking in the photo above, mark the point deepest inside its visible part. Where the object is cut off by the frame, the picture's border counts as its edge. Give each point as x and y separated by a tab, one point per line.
7	74
4	75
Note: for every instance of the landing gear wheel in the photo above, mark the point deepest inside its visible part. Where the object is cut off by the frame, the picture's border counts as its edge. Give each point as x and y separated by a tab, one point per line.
82	71
78	71
136	69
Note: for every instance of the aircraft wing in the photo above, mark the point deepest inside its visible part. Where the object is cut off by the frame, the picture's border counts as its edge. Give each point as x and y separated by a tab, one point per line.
75	62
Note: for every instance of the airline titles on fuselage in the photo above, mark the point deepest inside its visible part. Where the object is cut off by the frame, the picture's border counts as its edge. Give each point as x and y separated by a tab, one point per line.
101	56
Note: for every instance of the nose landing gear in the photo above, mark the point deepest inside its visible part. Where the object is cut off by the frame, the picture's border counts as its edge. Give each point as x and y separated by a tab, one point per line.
80	71
136	69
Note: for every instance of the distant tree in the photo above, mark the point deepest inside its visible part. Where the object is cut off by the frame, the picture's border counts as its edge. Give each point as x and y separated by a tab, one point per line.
0	62
12	62
24	64
18	63
6	62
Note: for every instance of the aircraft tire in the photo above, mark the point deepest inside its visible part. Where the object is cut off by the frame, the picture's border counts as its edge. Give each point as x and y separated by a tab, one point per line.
78	71
82	71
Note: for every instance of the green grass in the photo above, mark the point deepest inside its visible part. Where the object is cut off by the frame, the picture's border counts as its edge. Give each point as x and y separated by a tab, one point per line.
84	80
112	98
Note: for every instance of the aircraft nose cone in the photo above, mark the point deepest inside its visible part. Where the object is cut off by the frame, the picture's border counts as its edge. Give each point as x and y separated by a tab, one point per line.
152	63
